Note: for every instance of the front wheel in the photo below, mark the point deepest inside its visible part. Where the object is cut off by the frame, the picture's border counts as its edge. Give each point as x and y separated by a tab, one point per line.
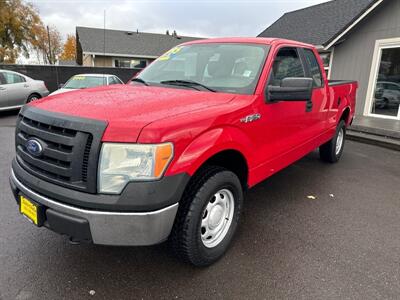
207	217
332	150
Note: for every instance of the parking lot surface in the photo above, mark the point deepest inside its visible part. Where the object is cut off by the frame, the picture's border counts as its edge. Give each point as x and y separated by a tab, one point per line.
312	231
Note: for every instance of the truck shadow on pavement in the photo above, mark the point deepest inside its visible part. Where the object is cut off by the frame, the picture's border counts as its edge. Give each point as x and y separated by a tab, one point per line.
270	213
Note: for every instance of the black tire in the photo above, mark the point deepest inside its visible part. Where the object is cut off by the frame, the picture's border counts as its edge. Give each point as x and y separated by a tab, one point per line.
327	151
33	97
186	236
384	104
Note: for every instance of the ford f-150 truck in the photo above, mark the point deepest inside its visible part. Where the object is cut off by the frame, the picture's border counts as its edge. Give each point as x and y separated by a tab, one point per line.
169	155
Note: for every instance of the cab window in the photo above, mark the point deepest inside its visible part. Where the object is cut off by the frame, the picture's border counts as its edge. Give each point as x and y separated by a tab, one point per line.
313	66
287	63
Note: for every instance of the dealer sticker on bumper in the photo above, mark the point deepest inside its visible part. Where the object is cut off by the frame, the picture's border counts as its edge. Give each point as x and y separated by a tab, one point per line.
29	209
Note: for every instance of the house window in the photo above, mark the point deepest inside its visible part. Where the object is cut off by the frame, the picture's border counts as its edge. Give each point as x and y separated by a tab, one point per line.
130	63
386	98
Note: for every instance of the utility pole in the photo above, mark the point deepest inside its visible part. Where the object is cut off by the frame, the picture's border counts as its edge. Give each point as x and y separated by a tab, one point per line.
48	36
104	37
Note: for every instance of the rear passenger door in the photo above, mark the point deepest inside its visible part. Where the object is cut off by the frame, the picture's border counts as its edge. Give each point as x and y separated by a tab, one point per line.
15	90
317	116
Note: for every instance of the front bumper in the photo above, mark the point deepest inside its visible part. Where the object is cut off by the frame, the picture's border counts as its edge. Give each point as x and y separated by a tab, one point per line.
102	227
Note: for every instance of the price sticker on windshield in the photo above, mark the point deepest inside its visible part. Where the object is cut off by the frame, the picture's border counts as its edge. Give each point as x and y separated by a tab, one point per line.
79	77
170	53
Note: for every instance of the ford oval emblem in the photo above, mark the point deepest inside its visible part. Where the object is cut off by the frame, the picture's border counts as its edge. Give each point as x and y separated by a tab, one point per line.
34	147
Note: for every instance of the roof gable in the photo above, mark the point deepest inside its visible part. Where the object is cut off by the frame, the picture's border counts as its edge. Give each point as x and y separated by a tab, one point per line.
122	42
318	24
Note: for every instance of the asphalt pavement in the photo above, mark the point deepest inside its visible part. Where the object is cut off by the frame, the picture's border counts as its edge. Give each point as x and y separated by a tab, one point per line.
312	231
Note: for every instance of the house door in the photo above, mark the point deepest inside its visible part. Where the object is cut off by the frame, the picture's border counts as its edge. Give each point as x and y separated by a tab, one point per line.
384	90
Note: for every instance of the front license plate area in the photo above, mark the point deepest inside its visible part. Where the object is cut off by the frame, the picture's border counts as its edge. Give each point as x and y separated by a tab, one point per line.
33	211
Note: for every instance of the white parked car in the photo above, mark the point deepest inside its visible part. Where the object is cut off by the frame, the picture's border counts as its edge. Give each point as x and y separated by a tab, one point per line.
17	89
388	94
83	81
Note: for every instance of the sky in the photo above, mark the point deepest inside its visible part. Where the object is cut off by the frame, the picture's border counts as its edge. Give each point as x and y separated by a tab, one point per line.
202	18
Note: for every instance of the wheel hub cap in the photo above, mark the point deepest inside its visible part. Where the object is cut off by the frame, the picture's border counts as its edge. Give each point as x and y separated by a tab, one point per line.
217	218
339	141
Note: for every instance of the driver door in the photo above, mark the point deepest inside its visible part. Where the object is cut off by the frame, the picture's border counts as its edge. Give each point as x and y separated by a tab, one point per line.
283	125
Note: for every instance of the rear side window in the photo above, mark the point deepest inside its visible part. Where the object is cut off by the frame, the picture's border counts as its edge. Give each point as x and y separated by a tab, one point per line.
287	64
13	78
313	66
2	78
113	80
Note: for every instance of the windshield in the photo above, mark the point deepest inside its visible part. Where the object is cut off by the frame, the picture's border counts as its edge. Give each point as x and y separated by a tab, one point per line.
231	68
83	82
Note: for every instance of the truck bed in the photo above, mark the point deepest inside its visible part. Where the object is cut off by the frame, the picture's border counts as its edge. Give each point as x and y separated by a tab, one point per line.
340	82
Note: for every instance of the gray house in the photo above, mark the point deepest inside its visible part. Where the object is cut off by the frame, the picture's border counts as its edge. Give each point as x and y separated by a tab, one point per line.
120	48
357	39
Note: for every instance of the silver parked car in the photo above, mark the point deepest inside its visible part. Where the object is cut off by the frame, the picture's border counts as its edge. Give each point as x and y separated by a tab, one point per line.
17	89
387	94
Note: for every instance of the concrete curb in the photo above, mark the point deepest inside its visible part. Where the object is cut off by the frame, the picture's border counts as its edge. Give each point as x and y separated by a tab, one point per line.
382	141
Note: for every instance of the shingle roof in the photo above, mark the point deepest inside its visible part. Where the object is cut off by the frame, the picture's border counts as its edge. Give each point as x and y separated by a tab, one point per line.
318	24
122	42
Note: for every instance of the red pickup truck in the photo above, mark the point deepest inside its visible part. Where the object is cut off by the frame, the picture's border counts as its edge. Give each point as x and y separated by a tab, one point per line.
169	155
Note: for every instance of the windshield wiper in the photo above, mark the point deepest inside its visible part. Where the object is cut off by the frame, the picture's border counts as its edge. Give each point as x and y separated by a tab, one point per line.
189	83
137	79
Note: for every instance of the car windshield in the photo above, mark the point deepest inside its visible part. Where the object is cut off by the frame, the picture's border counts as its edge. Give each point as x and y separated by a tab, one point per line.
83	82
222	67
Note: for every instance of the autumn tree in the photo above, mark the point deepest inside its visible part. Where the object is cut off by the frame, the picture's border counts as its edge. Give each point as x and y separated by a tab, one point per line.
48	45
20	26
69	48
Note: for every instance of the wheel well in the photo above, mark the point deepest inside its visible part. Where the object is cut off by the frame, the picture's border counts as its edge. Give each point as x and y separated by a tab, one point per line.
234	161
34	93
345	115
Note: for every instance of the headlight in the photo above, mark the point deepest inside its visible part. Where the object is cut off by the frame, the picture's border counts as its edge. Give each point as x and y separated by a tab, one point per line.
121	163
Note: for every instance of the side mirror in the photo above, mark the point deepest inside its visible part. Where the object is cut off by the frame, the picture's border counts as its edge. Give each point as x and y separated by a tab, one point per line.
291	89
61	85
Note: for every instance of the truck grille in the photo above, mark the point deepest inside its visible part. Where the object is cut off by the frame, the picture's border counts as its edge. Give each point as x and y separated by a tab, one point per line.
70	147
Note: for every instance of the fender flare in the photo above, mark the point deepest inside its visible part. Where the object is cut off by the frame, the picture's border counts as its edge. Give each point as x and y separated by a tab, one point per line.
346	113
210	143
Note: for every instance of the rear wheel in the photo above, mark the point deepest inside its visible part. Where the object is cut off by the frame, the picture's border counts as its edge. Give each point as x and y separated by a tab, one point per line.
384	103
32	98
332	150
208	216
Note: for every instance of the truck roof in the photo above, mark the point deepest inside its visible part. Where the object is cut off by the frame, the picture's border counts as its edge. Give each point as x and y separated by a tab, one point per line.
249	40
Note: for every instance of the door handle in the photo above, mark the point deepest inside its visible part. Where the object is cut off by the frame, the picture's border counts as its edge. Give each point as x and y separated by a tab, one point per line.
26	85
2	88
309	106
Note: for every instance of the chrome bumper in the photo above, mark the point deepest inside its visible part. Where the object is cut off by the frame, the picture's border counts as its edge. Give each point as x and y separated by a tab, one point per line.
114	228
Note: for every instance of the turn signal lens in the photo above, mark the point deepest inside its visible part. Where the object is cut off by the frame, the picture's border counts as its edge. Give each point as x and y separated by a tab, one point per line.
164	155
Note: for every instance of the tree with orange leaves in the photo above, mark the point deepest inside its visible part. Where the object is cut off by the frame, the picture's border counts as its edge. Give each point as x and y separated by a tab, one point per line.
20	26
69	48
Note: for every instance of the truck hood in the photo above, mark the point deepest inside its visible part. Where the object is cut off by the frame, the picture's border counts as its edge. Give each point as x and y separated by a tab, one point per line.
127	109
